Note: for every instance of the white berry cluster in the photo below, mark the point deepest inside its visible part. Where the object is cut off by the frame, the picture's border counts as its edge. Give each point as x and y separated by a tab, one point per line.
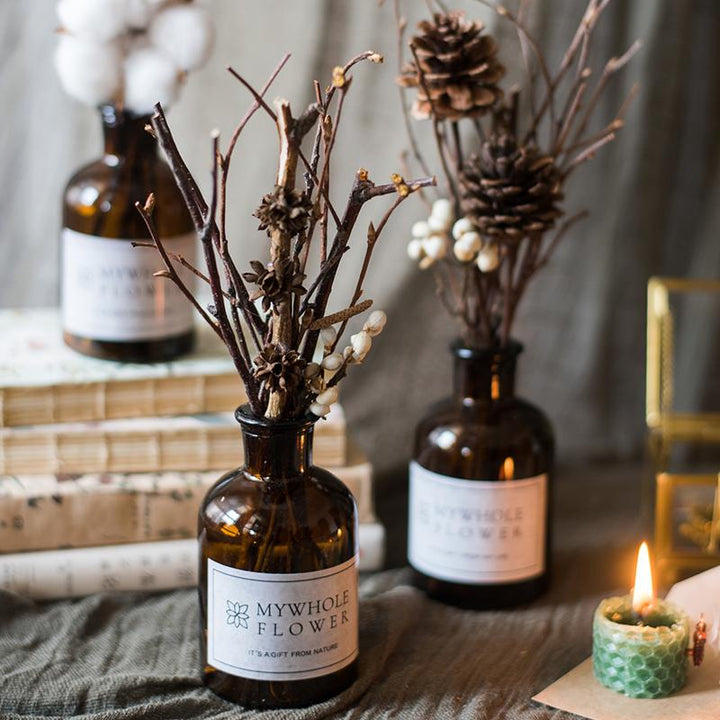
132	53
318	375
432	239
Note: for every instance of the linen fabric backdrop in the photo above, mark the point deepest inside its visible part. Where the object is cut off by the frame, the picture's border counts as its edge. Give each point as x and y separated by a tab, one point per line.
654	197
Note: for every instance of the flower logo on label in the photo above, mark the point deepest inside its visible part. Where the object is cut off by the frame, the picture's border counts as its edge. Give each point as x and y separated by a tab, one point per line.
237	614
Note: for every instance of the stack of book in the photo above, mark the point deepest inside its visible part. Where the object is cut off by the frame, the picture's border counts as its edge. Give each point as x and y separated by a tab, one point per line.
103	465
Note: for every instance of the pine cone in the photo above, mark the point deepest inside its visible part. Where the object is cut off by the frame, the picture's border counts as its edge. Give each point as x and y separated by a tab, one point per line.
456	72
287	211
275	281
276	368
509	191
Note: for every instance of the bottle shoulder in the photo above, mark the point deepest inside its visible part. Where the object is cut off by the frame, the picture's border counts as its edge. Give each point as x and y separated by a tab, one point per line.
478	441
240	499
99	199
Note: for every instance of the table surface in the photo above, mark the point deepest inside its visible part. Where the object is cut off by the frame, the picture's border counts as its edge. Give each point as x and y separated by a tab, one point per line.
128	656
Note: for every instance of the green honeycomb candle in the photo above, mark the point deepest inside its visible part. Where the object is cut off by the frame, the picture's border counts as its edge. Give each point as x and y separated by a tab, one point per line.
647	660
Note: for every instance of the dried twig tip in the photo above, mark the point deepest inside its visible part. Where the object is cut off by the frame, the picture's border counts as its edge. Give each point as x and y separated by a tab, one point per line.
376	58
363	175
149	204
338	77
400	185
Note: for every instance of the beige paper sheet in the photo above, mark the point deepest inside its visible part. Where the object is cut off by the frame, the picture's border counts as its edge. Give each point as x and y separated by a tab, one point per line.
579	692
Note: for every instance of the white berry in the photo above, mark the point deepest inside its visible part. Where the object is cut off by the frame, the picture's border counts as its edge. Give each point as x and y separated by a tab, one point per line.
463	252
185	33
333	361
150	77
462	226
361	343
420	229
328	397
488	258
93	20
436	247
442	215
319	410
415	249
328	336
375	323
89	72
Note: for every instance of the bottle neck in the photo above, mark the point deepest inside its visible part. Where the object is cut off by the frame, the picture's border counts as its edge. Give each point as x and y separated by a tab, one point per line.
485	374
126	141
276	451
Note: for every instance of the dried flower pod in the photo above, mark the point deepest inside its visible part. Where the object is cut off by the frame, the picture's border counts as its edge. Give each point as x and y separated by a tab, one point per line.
319	410
328	397
456	70
375	323
415	249
333	361
488	258
510	191
276	281
276	368
284	211
361	343
311	370
462	226
328	336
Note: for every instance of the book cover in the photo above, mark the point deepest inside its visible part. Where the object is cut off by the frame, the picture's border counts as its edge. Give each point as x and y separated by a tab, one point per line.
42	381
192	442
51	512
160	565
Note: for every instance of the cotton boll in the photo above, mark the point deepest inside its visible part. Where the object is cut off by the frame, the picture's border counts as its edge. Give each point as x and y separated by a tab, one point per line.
88	72
150	77
93	20
375	323
184	33
361	343
138	14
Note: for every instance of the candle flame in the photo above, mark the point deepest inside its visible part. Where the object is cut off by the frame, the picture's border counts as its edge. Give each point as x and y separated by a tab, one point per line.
643	593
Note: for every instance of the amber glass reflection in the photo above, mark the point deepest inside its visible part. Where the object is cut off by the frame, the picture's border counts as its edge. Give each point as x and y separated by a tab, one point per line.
277	514
99	200
490	425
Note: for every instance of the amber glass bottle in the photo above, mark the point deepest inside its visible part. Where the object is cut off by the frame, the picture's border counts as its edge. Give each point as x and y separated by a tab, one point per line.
278	574
112	306
480	479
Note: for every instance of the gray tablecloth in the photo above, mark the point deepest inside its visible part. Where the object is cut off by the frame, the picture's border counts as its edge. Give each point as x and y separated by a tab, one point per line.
134	656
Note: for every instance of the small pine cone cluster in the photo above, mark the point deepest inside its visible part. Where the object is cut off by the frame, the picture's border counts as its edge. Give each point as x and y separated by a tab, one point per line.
276	281
278	369
509	191
457	70
284	211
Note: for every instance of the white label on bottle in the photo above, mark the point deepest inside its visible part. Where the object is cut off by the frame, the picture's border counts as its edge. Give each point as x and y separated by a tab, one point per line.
109	292
282	626
476	531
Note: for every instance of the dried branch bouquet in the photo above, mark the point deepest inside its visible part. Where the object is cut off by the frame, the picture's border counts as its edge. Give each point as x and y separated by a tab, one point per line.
501	223
274	318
